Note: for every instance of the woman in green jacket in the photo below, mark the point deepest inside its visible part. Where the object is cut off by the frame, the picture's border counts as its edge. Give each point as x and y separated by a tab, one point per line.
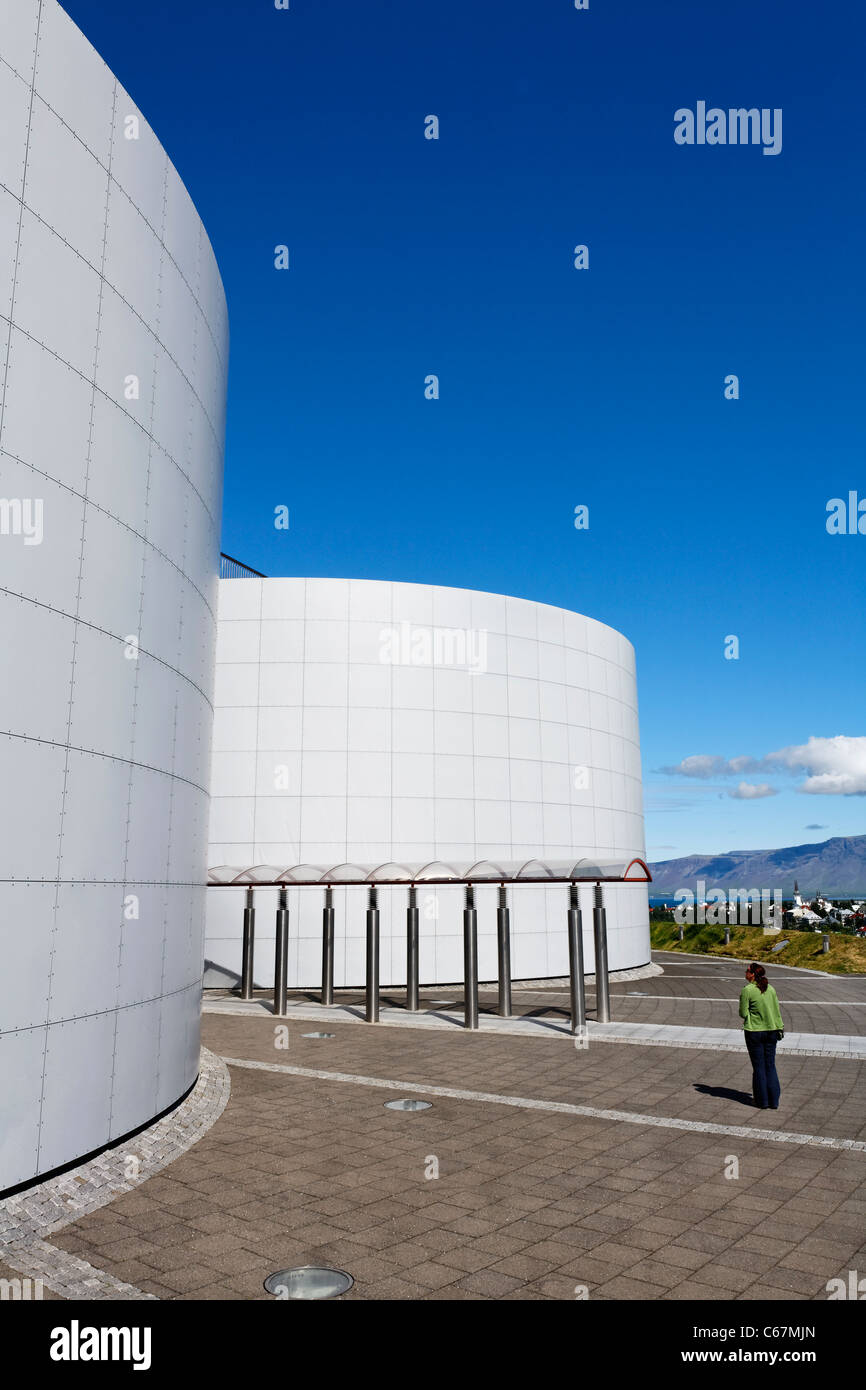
762	1023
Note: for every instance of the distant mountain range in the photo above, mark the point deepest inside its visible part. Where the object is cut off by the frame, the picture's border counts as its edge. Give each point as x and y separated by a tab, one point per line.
836	868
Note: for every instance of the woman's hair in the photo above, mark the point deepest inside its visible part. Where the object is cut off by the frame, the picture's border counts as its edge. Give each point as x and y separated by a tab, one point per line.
759	976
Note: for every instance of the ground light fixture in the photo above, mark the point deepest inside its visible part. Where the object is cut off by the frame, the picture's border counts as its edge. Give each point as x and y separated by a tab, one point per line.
309	1282
408	1104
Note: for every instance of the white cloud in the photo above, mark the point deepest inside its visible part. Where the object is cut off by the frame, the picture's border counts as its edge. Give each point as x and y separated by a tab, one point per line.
832	767
749	791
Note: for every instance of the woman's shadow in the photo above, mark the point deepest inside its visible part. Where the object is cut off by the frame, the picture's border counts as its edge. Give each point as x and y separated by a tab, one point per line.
725	1093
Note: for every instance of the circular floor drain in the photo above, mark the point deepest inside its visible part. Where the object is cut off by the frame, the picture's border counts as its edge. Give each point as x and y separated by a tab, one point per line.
309	1281
408	1104
317	1035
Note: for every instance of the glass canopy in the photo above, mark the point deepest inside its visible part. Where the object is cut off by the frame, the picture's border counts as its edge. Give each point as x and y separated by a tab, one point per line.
633	870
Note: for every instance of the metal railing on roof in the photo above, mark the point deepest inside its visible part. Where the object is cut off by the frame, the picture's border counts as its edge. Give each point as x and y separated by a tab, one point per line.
230	568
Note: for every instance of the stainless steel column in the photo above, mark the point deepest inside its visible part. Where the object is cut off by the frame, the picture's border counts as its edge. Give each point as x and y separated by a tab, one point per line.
328	948
575	961
602	983
412	951
503	935
372	1014
470	961
281	957
249	947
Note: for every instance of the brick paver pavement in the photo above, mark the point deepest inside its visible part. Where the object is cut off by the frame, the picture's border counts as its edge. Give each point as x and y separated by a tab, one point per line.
527	1203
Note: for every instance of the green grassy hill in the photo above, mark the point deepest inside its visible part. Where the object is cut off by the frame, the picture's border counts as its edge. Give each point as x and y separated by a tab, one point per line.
847	954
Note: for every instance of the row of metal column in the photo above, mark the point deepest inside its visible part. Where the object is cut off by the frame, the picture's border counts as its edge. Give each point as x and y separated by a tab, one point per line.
470	955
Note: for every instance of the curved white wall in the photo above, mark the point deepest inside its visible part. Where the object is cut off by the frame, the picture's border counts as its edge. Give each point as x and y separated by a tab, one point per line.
343	733
105	274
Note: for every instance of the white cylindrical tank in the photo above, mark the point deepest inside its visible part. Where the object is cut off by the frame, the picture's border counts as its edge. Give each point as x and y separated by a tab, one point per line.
114	347
359	721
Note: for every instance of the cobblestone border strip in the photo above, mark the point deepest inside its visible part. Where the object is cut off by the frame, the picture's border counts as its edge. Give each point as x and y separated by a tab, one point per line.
66	1274
29	1216
591	1112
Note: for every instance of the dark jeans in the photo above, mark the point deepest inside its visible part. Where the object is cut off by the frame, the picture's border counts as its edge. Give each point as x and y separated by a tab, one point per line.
765	1081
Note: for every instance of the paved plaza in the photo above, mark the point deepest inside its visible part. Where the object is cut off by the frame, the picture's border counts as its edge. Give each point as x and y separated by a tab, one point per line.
542	1170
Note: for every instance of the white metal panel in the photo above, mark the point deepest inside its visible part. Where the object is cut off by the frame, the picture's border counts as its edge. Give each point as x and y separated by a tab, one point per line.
177	1020
103	699
147	836
73	79
47	417
21	1065
211	296
30	822
161	607
182	229
135	1087
189	817
139	942
369	686
182	959
24	907
279	599
281	641
172	410
18	25
369	601
177	320
202	543
120	491
126	363
138	161
84	968
75	1117
36	702
451	689
326	641
56	295
195	656
94	823
133	256
155	712
48	567
189	762
452	608
110	550
166	517
66	185
15	104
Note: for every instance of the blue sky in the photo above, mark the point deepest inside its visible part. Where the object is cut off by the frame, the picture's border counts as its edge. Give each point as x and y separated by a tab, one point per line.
558	387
